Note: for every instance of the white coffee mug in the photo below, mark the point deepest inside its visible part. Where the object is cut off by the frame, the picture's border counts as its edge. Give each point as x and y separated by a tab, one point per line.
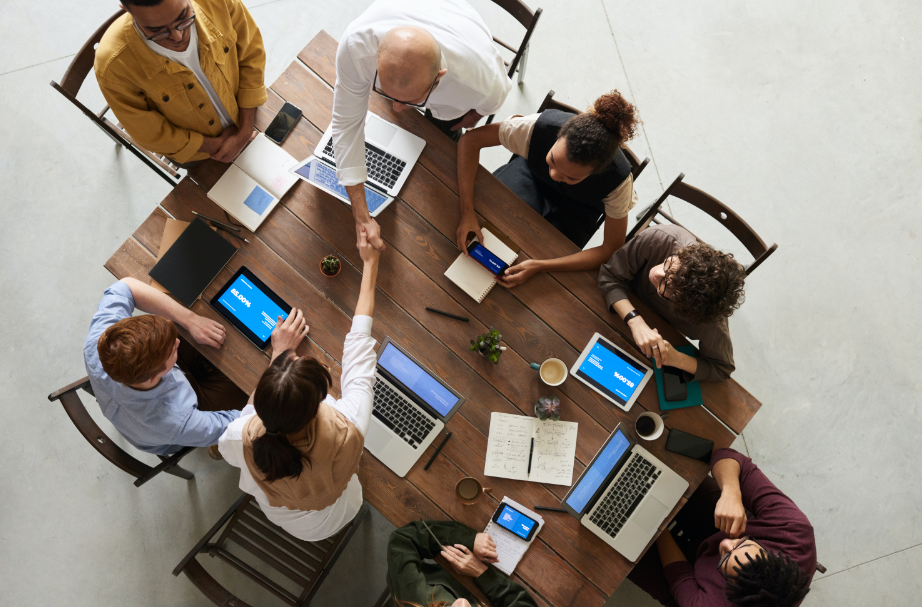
553	371
658	425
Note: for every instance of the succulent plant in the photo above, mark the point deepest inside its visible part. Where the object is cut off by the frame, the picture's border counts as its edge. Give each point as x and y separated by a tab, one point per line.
488	345
329	265
548	407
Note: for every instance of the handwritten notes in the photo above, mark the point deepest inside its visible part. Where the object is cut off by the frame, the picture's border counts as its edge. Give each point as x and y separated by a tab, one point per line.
509	547
510	444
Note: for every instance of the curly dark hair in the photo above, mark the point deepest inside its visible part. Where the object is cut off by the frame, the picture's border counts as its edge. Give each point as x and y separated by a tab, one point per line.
769	579
594	136
707	285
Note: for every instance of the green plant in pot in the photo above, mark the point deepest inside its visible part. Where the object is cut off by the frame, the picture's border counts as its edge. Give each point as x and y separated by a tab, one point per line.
548	408
330	265
488	345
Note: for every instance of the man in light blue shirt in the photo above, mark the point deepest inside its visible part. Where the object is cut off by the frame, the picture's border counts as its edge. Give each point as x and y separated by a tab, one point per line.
159	406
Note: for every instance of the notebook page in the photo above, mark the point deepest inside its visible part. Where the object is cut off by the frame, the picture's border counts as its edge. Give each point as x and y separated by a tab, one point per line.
509	548
508	446
555	452
268	164
238	194
472	277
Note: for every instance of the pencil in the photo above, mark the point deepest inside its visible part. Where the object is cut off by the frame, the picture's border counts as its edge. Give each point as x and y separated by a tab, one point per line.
220	227
220	223
448	314
438	450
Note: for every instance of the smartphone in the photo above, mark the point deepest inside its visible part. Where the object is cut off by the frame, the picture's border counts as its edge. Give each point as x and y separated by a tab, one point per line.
283	122
674	386
509	518
689	445
484	257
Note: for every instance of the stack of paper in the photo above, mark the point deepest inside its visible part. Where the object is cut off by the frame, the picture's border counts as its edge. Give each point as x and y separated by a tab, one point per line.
509	547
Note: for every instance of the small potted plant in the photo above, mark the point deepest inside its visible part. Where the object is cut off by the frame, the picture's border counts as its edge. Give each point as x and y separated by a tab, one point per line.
548	408
488	345
330	266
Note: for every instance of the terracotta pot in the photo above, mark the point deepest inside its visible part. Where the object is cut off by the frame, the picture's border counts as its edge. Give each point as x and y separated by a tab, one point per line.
330	275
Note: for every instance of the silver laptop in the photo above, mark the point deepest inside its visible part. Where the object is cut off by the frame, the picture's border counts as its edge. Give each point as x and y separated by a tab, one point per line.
390	152
624	494
411	408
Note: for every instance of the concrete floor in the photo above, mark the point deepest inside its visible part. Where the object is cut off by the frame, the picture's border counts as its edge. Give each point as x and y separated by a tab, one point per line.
803	117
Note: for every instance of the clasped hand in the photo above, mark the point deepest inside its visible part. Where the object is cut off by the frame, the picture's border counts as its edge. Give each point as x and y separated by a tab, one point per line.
652	344
730	515
232	143
469	563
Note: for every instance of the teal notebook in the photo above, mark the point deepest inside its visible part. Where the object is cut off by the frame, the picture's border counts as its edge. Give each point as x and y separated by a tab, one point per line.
694	388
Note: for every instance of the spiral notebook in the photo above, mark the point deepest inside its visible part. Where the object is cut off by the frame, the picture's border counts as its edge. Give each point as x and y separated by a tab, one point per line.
473	278
509	547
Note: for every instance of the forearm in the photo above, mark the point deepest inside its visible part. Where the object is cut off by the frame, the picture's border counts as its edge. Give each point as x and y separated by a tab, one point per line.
669	551
590	259
366	303
727	474
247	120
468	161
359	204
210	145
152	301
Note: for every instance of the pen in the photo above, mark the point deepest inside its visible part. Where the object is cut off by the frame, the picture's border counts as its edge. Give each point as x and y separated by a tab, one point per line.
220	227
229	227
530	451
448	315
549	509
438	450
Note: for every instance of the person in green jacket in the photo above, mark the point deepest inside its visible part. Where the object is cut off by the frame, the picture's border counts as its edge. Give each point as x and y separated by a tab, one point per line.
413	582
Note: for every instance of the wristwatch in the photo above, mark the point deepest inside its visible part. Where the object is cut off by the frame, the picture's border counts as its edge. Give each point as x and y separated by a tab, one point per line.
630	315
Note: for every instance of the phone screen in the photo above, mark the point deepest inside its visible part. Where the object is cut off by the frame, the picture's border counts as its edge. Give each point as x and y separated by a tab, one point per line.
487	259
674	386
283	122
689	445
516	522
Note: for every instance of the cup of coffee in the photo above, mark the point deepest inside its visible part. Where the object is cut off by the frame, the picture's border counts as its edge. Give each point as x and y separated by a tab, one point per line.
650	426
552	371
469	490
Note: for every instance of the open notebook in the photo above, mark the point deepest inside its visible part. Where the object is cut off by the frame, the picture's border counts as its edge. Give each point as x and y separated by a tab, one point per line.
473	278
509	547
514	439
252	186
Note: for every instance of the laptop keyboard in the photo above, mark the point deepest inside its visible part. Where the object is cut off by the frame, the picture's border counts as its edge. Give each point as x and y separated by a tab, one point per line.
623	497
384	168
400	415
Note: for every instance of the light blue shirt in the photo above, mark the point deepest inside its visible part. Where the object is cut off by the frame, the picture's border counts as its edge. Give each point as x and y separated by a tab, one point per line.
160	420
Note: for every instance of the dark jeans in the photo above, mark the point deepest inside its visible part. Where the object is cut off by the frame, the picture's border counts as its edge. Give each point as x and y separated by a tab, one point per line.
215	391
445	126
694	524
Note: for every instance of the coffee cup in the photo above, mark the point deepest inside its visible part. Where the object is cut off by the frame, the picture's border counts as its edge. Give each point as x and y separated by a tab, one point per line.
468	490
552	371
649	425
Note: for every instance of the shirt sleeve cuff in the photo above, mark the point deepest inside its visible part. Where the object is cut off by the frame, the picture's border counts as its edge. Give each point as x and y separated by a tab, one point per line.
702	373
491	581
727	453
352	175
187	153
247	98
613	296
120	288
362	324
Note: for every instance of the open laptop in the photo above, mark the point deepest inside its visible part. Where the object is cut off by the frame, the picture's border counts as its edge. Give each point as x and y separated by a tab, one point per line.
410	409
624	494
390	153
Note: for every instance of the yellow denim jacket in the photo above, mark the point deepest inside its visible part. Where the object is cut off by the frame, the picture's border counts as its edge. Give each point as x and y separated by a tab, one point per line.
160	102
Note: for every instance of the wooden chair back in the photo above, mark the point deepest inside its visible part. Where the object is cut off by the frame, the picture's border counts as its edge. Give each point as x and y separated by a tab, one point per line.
529	20
73	80
306	564
94	435
741	230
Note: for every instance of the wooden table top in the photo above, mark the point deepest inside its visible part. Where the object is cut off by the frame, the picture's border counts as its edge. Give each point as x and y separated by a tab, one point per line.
552	315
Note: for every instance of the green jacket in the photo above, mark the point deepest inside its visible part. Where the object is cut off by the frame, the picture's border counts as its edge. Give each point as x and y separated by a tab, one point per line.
413	581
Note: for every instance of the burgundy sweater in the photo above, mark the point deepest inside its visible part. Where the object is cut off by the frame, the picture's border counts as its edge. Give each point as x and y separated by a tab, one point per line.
773	520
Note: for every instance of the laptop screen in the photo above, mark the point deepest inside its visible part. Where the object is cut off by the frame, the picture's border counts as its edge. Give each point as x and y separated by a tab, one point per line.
325	176
606	368
592	479
417	380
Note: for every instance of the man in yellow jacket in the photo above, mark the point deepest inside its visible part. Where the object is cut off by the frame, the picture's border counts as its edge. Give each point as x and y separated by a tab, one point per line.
184	77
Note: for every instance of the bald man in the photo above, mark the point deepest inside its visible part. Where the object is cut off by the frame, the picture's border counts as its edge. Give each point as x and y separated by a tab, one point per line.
432	54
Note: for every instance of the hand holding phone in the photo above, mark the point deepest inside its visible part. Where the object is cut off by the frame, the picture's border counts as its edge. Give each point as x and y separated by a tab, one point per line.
515	521
484	257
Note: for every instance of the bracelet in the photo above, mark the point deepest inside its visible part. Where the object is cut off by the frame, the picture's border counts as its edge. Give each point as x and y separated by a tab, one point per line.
631	315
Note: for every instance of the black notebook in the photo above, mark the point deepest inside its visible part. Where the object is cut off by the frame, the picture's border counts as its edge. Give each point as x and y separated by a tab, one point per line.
192	262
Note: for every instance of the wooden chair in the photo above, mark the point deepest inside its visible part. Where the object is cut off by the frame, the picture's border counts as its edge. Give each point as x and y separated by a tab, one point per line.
94	435
304	563
713	207
70	85
529	19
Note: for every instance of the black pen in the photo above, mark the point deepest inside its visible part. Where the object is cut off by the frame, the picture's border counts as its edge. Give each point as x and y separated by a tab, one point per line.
220	227
448	315
229	227
548	508
438	450
530	451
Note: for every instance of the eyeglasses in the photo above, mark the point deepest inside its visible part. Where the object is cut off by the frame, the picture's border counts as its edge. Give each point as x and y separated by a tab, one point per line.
664	284
375	88
726	557
179	26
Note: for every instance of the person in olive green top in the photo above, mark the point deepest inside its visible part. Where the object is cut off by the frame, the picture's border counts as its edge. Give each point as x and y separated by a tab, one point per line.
411	581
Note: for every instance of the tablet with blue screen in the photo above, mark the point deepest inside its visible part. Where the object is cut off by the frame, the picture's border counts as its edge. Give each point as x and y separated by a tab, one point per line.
250	306
611	372
322	175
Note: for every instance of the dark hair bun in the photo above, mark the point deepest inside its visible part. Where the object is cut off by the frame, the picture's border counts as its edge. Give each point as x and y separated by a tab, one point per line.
617	115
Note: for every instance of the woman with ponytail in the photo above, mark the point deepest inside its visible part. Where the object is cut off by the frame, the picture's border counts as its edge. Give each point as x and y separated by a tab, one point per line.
297	447
567	167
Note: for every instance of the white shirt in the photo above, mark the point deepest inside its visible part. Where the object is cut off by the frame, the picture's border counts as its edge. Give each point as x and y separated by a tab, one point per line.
358	380
476	77
189	59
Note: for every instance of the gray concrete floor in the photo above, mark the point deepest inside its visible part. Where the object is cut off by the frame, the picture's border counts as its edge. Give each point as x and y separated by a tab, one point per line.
803	117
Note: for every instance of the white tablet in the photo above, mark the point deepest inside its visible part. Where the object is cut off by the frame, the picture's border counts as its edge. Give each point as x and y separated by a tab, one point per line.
322	175
611	372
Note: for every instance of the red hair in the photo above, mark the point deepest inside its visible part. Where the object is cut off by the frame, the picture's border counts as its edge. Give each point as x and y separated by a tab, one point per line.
135	349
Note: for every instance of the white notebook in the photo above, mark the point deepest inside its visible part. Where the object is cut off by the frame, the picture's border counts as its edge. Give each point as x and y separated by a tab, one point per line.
473	278
509	547
514	439
252	186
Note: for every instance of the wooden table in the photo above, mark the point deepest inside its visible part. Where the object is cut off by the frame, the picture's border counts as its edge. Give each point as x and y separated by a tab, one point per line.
552	315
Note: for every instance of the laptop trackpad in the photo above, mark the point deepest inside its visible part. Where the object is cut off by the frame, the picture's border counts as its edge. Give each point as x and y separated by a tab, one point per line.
379	132
650	515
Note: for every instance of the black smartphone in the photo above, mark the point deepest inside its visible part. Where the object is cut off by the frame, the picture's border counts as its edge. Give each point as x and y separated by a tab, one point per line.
484	257
674	386
518	523
689	445
283	122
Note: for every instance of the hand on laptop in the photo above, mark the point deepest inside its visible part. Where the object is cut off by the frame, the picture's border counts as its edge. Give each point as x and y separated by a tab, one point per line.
463	560
730	514
289	333
206	331
485	548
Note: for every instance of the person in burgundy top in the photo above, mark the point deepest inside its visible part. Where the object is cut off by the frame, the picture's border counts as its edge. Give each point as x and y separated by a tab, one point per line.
738	541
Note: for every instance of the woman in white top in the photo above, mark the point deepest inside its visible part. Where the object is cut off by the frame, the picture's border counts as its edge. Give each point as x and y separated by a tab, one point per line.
569	168
298	448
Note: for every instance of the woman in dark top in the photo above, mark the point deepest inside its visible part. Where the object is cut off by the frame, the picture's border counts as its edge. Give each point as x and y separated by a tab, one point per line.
569	168
413	582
